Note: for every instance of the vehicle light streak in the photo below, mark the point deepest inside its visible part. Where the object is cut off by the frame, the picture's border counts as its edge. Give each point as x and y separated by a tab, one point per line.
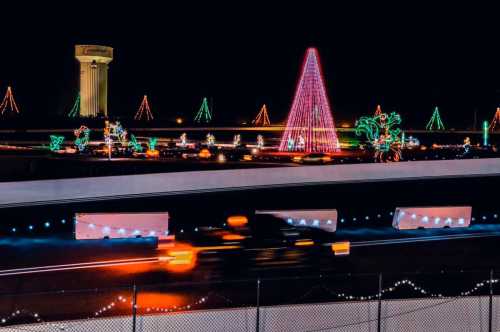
78	266
421	239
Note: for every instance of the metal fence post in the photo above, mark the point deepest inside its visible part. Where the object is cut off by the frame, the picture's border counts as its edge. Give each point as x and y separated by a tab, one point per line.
379	314
490	311
257	319
134	308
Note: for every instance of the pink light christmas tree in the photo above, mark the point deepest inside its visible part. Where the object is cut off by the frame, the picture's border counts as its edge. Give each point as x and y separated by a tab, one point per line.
310	126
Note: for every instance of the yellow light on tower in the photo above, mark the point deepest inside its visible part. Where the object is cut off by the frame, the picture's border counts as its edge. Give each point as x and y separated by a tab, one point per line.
179	120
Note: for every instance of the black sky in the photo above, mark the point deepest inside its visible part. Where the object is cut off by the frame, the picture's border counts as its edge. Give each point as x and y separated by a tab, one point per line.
406	57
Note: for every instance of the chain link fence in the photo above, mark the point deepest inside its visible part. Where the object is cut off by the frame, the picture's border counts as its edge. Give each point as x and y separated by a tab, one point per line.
463	301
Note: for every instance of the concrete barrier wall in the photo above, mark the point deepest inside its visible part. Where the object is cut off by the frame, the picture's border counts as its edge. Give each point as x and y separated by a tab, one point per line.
25	193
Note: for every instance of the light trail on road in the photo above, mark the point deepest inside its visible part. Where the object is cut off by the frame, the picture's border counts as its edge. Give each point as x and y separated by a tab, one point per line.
422	239
161	259
78	266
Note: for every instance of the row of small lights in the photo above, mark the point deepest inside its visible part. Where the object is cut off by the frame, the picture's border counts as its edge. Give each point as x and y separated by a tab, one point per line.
110	306
105	229
18	313
409	283
423	218
177	308
437	220
46	224
123	231
122	299
315	222
393	288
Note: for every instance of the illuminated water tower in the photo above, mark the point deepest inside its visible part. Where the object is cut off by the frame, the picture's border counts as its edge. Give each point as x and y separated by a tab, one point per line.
94	60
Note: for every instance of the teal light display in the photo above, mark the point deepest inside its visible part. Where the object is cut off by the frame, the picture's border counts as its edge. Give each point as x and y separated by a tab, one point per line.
204	114
134	145
75	110
486	128
435	123
55	142
152	143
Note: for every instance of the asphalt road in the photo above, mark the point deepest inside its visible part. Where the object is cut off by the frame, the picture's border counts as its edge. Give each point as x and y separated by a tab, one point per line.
58	279
52	264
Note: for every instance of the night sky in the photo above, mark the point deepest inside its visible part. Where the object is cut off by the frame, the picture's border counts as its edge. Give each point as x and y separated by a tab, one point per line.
408	58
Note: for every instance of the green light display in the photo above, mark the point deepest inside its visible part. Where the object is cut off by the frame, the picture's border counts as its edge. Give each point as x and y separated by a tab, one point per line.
152	143
75	110
204	114
435	123
383	134
486	128
136	146
82	135
55	142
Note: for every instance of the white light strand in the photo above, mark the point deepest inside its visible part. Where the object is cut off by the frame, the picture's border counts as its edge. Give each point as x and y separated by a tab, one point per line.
177	308
409	283
124	230
21	313
111	305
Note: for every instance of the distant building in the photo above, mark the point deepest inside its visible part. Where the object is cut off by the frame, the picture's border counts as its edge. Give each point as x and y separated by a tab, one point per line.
94	60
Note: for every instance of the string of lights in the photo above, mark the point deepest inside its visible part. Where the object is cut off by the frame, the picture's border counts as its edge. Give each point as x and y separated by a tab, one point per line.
435	123
175	308
310	126
75	110
300	222
111	305
203	114
403	283
430	218
31	227
144	110
21	313
495	120
394	287
8	103
262	118
106	230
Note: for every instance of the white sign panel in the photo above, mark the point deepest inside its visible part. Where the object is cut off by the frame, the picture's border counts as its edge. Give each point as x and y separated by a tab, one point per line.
432	217
121	225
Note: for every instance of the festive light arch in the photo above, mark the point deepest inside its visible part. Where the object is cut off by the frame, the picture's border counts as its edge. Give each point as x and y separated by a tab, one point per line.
310	126
8	103
144	110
